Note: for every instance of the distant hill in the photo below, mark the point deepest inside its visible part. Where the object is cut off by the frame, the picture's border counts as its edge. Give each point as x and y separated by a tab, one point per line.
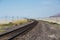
56	15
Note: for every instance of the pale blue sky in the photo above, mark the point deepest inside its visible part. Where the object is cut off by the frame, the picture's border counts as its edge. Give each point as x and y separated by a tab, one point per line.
29	8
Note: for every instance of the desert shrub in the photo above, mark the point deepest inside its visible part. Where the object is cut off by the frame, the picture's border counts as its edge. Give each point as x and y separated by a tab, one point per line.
9	24
53	23
21	23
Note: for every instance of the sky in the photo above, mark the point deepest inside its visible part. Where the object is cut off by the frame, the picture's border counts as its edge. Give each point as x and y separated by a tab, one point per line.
29	8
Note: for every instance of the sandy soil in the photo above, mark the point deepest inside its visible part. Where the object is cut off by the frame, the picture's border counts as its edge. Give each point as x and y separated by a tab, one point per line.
42	31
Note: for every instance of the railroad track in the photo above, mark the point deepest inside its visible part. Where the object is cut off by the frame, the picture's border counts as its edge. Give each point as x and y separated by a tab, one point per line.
11	35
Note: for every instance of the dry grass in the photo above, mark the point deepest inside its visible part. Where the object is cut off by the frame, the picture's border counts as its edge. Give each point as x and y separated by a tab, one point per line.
10	24
2	30
22	21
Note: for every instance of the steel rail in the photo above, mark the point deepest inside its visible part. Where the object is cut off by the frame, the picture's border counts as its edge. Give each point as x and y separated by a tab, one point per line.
19	31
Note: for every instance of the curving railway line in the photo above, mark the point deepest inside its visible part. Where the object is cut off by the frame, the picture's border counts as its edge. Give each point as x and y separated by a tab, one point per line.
36	30
12	34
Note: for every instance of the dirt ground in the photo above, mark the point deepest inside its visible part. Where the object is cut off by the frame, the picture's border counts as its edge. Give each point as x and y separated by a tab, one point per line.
42	31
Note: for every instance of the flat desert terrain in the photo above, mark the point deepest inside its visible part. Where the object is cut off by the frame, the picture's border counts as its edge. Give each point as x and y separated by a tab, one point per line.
42	31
